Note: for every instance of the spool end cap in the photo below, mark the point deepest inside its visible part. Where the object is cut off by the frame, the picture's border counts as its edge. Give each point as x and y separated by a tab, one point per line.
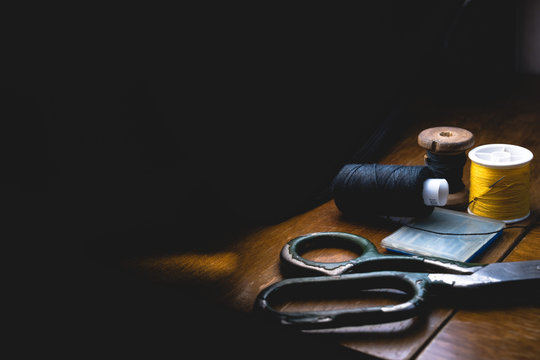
500	156
446	139
435	192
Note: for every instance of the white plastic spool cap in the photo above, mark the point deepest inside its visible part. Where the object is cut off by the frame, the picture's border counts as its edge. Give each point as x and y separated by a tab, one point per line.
435	192
500	156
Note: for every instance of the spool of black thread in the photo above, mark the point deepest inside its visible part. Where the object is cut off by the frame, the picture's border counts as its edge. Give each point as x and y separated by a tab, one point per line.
370	190
449	167
445	156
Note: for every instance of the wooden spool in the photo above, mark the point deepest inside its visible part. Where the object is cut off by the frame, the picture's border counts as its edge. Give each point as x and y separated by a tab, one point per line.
448	140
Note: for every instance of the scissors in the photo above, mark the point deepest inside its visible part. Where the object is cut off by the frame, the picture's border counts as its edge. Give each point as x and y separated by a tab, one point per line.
418	277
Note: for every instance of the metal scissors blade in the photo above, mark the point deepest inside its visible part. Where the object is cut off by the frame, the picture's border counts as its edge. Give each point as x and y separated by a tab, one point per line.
512	271
508	274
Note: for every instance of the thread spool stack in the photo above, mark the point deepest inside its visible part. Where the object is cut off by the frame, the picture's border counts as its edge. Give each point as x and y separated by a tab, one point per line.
445	156
500	176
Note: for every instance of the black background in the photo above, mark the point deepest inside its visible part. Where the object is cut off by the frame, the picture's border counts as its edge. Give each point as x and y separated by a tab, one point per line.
135	131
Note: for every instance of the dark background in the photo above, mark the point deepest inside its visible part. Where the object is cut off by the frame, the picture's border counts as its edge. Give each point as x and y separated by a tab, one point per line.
131	132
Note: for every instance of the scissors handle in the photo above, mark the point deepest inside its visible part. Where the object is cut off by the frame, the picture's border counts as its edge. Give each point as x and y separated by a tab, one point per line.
369	259
291	258
412	284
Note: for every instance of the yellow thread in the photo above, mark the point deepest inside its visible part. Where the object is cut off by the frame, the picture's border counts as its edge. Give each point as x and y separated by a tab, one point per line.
501	194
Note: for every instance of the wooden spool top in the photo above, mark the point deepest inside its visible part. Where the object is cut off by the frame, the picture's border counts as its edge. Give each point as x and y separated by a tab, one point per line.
446	139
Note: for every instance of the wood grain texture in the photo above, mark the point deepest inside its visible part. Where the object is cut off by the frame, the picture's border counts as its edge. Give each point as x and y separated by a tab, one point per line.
510	333
446	139
494	333
237	274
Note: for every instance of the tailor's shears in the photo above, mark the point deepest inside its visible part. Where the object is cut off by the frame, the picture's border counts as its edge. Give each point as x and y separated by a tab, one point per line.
417	277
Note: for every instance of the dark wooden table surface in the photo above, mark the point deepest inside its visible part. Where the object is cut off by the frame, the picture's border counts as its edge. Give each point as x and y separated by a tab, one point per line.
234	276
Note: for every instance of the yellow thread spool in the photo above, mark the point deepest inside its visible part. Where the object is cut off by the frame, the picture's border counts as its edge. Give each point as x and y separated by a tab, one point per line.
499	186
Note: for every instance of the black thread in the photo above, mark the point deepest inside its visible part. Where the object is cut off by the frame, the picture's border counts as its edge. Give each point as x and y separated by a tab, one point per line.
449	167
370	190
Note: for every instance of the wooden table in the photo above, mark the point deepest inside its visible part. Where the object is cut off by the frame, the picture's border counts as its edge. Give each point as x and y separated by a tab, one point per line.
233	276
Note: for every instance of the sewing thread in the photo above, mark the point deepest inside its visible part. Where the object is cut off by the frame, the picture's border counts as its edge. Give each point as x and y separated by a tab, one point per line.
449	167
499	182
501	194
370	190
